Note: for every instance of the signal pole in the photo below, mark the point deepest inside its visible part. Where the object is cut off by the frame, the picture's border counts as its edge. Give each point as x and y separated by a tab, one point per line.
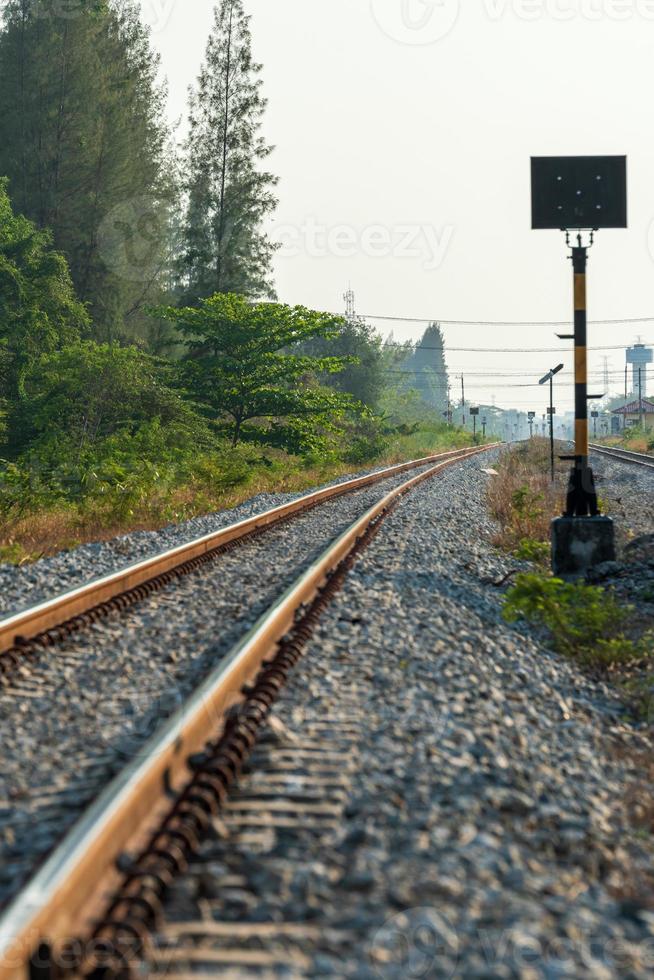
582	496
550	377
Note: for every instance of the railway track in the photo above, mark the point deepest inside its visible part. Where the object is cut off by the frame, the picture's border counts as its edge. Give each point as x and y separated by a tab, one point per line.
624	455
26	633
90	909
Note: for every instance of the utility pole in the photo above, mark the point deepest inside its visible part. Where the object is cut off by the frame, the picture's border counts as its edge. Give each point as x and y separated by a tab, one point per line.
483	427
449	404
463	400
640	396
626	396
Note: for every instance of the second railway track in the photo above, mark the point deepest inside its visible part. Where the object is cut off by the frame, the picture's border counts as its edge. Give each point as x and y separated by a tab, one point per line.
623	455
136	813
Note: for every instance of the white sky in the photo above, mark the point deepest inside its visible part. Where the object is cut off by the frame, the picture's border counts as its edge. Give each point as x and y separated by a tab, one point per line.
398	117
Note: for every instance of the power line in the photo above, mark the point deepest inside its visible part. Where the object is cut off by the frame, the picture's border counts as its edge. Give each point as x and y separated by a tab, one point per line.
503	323
485	387
507	350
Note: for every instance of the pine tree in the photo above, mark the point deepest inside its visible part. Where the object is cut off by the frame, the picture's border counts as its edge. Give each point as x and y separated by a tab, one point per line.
426	368
225	249
83	142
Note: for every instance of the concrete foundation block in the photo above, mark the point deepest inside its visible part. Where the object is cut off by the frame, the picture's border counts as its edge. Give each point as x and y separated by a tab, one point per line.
581	543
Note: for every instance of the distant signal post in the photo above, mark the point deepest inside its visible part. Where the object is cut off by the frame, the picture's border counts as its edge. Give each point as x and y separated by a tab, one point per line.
551	411
475	414
579	196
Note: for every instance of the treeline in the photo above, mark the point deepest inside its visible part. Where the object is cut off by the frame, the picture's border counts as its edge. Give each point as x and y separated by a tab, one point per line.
141	346
89	155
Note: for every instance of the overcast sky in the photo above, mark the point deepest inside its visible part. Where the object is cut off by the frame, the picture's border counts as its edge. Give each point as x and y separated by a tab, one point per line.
403	132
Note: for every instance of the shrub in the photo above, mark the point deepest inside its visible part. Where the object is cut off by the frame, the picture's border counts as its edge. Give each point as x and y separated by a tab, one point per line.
537	552
584	621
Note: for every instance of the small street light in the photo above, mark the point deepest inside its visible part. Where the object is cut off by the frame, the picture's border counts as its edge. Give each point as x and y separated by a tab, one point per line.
550	377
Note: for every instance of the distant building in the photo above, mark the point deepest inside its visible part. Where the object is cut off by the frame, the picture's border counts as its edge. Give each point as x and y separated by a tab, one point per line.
640	357
631	413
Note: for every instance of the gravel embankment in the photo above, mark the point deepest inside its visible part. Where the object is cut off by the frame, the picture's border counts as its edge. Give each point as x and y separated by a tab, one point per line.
90	703
629	490
488	827
29	584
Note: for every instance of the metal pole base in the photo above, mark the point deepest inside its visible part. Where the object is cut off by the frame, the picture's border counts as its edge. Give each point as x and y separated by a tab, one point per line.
580	544
582	495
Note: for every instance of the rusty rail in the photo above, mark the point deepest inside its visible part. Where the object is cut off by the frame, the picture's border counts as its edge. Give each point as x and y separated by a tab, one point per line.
156	806
624	455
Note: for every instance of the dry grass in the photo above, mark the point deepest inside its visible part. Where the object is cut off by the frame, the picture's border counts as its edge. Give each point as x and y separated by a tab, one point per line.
638	442
522	497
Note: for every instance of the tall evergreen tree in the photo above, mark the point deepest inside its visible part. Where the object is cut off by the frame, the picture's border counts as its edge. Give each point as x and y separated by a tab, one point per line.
83	142
426	368
225	248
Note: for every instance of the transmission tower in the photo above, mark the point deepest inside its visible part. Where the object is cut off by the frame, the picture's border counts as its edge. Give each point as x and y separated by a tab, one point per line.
350	311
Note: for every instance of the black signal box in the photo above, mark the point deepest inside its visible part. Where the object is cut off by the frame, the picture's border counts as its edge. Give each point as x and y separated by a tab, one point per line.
578	192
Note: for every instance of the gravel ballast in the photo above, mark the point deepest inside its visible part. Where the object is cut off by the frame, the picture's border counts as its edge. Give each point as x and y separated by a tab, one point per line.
69	722
487	826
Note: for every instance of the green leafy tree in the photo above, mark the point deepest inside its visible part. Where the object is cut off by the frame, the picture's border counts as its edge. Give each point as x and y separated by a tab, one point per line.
84	144
239	364
229	194
38	308
87	392
364	375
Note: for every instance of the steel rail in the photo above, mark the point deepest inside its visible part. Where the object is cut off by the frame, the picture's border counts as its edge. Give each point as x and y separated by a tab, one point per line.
67	896
35	622
624	455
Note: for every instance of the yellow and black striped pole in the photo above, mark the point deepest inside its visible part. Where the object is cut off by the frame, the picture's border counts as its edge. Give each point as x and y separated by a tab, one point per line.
582	497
